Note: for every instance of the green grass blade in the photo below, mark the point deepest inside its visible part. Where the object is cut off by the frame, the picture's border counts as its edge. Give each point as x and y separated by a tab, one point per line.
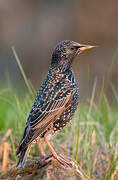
22	71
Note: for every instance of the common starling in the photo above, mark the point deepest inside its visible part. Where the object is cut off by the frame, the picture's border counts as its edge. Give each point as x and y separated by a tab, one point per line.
55	103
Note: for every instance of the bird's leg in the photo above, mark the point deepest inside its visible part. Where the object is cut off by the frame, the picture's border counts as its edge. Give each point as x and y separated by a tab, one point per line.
63	161
45	158
41	148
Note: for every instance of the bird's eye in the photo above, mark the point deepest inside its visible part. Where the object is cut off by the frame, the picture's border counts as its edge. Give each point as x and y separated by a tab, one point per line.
72	48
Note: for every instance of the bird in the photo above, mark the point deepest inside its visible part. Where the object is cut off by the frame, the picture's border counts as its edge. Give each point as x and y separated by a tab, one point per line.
55	103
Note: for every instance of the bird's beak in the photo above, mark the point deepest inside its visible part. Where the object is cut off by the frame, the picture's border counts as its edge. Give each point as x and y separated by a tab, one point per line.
83	47
86	47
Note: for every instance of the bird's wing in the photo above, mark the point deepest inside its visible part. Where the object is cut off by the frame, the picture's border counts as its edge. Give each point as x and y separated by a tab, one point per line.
48	111
42	118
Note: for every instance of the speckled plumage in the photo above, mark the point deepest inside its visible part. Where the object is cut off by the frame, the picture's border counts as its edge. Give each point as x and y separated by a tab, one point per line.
56	100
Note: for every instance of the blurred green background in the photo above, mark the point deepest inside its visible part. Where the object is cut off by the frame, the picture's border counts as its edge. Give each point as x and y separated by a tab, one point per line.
35	27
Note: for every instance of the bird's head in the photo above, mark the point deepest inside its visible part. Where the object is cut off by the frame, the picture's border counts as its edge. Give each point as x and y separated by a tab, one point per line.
65	52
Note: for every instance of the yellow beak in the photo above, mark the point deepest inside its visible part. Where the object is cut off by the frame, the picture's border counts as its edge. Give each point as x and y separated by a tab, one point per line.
86	47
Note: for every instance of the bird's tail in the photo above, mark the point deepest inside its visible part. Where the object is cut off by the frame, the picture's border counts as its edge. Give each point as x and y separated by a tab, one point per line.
23	155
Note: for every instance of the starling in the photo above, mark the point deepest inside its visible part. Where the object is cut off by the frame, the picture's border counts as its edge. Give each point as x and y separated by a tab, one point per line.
55	103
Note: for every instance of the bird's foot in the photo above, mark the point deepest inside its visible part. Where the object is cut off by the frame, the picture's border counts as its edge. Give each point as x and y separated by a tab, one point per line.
62	160
45	160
